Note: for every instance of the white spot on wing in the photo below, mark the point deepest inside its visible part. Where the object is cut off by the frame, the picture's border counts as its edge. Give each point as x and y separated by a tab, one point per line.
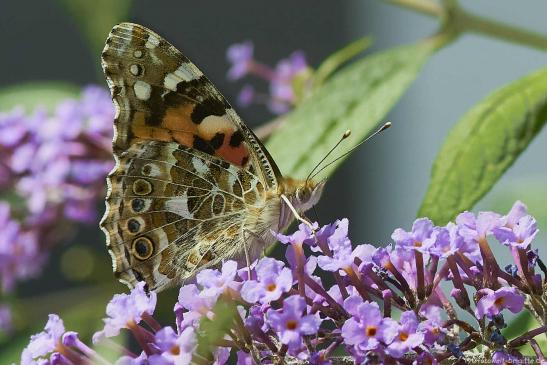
134	69
188	72
231	179
200	166
213	124
152	42
185	72
179	206
170	82
142	90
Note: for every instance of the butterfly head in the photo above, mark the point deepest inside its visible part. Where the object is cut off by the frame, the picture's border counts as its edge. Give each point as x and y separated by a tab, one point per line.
304	194
309	194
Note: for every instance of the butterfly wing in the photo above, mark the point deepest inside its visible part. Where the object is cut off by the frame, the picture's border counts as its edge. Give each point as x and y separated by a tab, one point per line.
187	169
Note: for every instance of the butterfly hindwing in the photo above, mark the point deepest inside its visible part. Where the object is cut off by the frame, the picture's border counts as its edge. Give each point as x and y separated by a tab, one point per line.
172	209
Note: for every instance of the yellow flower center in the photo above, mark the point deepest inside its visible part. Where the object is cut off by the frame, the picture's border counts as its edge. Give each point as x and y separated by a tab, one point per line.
499	302
371	331
292	324
271	287
403	336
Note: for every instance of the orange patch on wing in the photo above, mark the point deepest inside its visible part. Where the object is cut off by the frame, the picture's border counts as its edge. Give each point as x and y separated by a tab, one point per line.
177	125
178	121
236	155
208	129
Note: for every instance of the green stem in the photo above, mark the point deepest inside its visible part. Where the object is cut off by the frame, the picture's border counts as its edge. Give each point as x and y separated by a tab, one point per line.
475	24
457	21
426	7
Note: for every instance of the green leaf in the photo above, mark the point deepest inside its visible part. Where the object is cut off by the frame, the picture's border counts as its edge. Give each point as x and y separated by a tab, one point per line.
483	144
212	331
357	98
30	95
521	324
97	17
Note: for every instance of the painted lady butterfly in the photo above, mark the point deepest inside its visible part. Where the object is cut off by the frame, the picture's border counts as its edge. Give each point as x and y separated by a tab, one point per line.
192	184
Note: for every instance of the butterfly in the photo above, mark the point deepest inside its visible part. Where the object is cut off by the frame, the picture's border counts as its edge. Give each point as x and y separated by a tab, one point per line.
192	185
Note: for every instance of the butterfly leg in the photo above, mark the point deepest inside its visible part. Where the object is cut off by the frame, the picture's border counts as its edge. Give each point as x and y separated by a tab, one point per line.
258	239
247	259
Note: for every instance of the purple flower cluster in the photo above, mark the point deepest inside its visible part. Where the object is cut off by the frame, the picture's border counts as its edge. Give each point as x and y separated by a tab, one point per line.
54	164
283	78
378	305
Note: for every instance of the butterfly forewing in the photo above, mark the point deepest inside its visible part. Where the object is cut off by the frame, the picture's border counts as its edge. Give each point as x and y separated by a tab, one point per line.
189	173
161	95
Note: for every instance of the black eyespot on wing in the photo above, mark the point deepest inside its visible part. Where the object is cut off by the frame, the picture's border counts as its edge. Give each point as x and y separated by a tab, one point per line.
236	139
137	205
203	146
217	141
142	248
133	225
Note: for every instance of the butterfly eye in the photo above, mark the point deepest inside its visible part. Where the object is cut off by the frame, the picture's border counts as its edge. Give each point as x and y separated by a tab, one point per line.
142	248
303	194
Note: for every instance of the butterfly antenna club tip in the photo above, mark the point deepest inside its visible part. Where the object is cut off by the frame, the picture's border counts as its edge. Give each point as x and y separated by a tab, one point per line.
385	126
346	134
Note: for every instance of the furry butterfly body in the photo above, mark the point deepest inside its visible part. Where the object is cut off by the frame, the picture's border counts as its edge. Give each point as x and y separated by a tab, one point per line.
192	184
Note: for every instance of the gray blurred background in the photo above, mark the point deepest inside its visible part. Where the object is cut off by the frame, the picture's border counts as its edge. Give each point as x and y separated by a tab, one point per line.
382	184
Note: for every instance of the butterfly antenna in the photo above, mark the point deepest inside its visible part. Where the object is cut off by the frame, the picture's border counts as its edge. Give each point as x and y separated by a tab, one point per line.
344	136
381	129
